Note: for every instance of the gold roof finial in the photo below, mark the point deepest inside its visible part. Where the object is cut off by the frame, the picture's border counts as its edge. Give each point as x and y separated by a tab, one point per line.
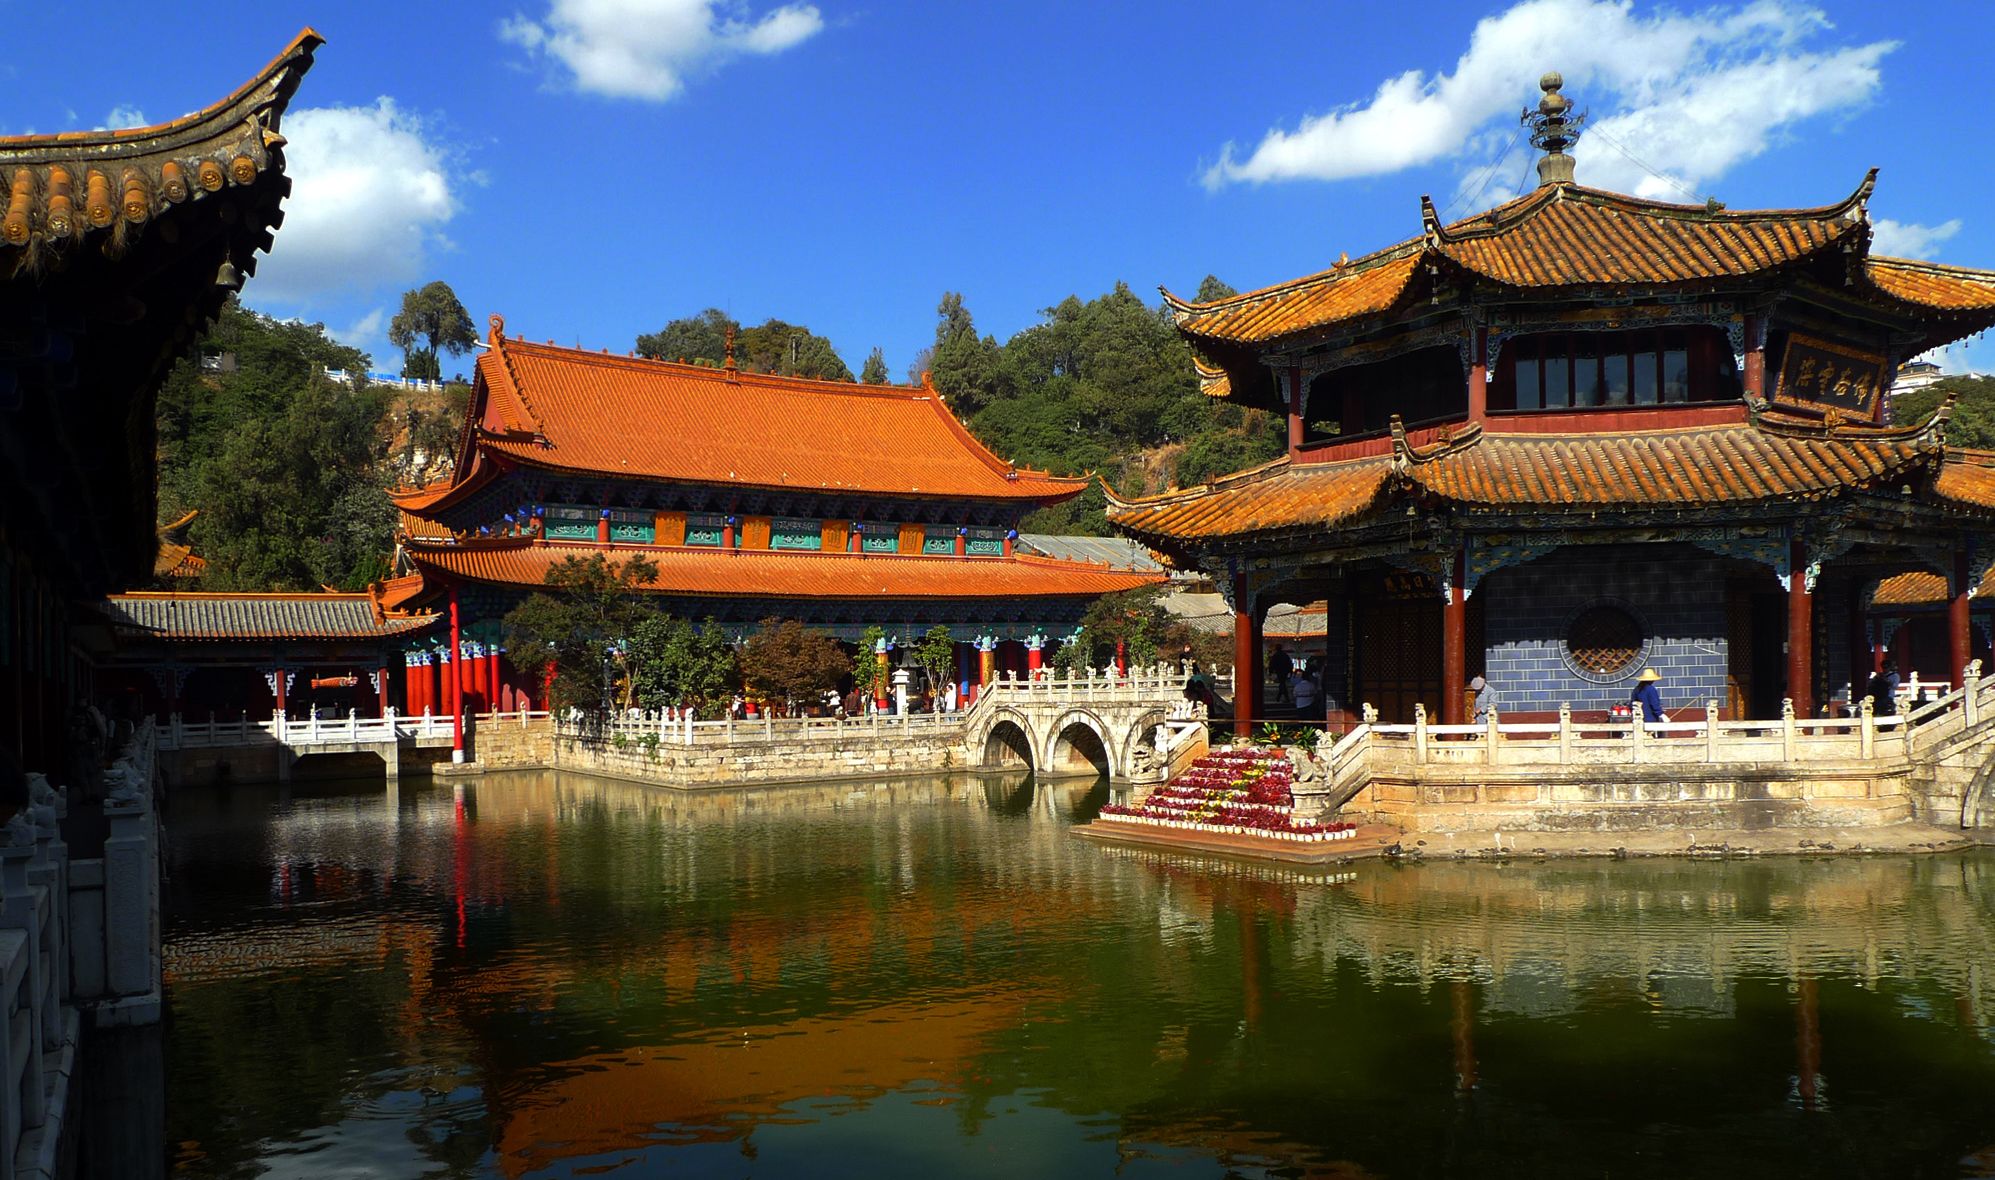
729	366
1554	128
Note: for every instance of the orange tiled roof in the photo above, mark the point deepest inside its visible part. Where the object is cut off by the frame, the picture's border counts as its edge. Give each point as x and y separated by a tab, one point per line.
1968	478
1365	287
1557	235
1930	285
62	191
759	573
1562	235
1276	496
1759	461
573	410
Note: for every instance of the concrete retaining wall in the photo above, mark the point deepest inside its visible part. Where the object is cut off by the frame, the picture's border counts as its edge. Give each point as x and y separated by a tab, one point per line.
740	763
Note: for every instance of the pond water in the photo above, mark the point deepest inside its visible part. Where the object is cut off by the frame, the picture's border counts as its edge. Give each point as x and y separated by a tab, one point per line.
544	974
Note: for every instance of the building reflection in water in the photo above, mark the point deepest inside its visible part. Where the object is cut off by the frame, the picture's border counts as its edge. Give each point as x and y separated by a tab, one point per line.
567	969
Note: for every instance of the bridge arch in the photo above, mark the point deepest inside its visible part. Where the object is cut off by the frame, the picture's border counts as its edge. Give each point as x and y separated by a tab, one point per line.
1005	740
1080	742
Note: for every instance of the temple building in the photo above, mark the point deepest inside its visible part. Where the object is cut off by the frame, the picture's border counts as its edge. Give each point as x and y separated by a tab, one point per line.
842	505
1581	435
117	249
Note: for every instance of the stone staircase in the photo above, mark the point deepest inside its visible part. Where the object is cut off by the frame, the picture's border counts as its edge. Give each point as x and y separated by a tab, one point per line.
1231	790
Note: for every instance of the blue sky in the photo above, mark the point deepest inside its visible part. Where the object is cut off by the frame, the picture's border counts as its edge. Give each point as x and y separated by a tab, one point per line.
593	168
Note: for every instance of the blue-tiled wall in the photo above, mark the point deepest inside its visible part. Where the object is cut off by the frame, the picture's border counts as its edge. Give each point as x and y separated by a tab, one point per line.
1677	593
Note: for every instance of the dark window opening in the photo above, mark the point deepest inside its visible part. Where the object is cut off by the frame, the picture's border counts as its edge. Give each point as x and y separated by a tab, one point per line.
1589	370
1423	388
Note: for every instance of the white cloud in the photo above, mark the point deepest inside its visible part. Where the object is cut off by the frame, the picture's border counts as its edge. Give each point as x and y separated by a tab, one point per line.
1692	95
1909	239
647	49
370	195
122	116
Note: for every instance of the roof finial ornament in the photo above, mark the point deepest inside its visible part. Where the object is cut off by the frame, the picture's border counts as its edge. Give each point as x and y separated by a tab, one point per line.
729	365
1554	128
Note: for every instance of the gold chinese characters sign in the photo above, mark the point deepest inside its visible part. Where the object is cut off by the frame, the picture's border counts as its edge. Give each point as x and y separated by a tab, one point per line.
1820	375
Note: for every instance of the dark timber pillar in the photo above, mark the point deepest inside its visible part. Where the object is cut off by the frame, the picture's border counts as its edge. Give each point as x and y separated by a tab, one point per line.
1800	634
382	687
1246	658
1960	648
1454	645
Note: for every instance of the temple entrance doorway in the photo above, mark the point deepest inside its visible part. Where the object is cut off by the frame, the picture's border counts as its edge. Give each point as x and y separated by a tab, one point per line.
1399	646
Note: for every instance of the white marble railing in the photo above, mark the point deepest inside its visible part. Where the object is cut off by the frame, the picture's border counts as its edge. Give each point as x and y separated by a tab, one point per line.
178	734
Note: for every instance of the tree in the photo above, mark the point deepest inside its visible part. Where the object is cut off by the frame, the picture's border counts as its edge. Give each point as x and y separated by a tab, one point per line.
935	652
875	370
785	660
700	339
869	667
581	627
1210	288
789	350
431	313
288	467
1973	421
1132	617
967	369
675	664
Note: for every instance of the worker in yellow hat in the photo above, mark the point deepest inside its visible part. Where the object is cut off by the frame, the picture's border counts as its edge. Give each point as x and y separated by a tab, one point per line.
1647	697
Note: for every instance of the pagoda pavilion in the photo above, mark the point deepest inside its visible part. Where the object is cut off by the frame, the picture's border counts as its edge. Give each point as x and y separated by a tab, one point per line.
841	505
1581	435
117	249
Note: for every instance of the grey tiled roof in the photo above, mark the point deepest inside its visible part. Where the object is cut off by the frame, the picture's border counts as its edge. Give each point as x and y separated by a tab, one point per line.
254	616
1120	552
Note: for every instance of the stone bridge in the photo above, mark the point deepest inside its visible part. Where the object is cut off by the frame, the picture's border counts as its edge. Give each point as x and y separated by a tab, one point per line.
1131	727
387	737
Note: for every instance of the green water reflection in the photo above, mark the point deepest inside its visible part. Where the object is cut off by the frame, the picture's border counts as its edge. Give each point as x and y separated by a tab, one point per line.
546	974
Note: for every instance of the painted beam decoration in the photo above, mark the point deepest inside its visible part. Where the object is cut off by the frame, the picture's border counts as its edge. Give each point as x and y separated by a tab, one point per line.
1819	375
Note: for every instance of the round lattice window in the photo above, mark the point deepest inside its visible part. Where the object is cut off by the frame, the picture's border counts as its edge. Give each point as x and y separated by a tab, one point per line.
1604	641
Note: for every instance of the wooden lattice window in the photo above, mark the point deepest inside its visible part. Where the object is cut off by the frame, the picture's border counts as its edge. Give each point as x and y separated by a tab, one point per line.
1604	641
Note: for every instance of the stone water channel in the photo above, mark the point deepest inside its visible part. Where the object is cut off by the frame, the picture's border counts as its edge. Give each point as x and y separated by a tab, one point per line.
545	974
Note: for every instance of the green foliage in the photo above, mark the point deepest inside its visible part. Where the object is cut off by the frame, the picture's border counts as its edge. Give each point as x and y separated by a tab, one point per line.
1091	388
674	664
787	661
1211	287
700	339
431	313
1148	633
436	432
869	666
875	370
580	627
287	467
772	347
1973	421
935	654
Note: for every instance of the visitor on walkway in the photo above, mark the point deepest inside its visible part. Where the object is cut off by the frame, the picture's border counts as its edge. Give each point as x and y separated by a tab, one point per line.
1303	689
1647	697
1485	698
1883	689
1280	667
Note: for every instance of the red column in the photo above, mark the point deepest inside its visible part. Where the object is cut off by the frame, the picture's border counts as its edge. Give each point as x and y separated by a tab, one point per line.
856	543
1960	646
1755	358
432	685
278	686
1800	634
457	682
603	527
1032	657
1010	537
1121	657
960	543
381	694
1246	659
492	678
1295	422
727	533
1454	646
1478	374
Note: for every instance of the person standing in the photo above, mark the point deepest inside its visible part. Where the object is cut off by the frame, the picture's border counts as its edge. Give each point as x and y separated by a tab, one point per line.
1303	691
1280	668
1485	698
1883	690
1648	698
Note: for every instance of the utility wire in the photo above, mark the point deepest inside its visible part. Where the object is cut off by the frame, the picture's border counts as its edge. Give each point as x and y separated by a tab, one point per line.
1488	175
1645	166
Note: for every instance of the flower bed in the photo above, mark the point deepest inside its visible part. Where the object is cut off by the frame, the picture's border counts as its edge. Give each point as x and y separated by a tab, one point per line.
1234	790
